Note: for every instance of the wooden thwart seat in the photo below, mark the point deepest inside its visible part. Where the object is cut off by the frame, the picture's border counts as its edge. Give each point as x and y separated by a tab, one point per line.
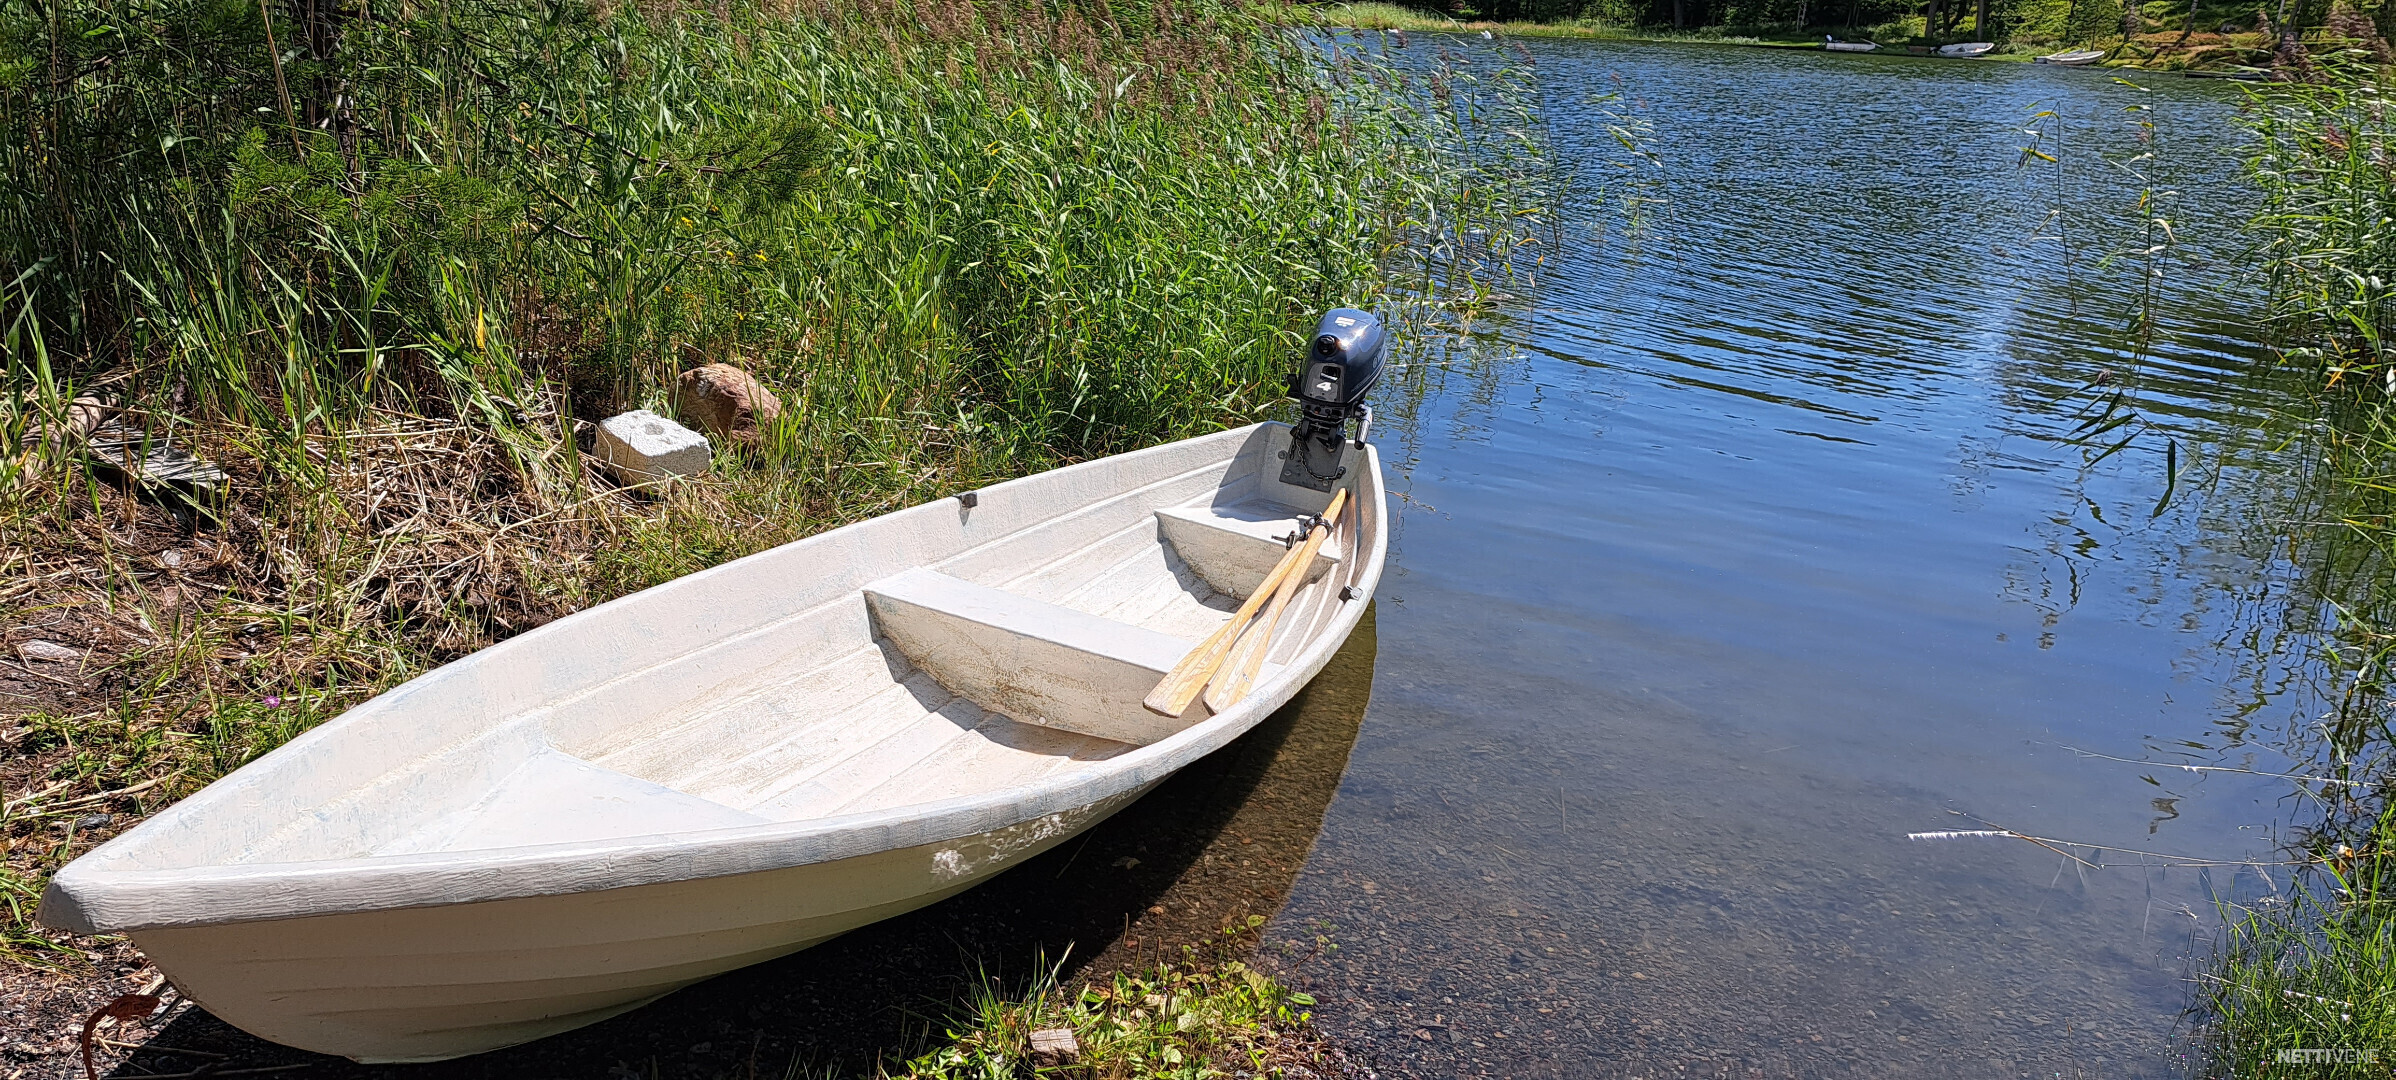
1234	546
1033	661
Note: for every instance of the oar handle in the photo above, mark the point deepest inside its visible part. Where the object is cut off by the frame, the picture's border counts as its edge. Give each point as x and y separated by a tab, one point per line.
1181	686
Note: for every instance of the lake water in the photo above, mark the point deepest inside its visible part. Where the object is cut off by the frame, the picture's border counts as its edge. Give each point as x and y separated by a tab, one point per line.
1763	549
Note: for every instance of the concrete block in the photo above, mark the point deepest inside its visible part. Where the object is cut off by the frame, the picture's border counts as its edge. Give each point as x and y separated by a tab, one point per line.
641	446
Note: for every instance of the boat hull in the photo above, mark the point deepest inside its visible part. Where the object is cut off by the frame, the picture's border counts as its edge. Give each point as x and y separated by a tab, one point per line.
729	767
429	984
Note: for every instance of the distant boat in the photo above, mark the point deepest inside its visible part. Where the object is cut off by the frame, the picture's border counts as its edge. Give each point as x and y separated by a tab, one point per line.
1968	49
1835	45
2074	58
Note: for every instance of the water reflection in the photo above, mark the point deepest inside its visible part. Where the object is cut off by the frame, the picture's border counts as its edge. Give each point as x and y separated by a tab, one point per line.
1768	548
1222	839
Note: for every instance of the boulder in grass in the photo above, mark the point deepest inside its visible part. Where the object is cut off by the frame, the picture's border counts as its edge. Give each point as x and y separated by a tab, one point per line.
725	401
641	446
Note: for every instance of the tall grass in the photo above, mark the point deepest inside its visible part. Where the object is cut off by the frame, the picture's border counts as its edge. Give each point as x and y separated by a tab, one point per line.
1094	228
384	264
2321	160
2309	970
2309	966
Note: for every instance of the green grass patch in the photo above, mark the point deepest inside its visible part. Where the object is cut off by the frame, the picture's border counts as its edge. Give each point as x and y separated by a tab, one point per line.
1174	1021
2309	971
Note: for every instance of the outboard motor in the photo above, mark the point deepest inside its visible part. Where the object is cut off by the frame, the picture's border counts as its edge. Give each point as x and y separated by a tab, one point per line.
1342	364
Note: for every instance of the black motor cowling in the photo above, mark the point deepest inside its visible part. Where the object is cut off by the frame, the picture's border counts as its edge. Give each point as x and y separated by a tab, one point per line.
1342	364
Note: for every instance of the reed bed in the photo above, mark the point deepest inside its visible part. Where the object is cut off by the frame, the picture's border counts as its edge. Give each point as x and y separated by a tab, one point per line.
2304	969
386	268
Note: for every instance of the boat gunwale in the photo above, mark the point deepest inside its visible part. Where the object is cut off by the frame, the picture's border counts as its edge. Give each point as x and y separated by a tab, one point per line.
91	896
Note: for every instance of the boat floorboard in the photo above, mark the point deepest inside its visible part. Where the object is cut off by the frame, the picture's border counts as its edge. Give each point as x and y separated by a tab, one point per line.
862	731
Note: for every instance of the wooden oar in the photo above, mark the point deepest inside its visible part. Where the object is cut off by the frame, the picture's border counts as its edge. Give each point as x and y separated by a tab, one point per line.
1238	673
1180	686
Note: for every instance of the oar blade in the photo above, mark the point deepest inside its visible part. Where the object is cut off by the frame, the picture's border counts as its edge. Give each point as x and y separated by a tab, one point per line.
1182	685
1228	669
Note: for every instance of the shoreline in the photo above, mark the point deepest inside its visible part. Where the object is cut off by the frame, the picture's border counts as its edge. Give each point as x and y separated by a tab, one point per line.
2165	52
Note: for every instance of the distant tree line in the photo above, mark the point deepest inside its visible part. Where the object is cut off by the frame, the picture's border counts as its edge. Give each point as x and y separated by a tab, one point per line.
2061	20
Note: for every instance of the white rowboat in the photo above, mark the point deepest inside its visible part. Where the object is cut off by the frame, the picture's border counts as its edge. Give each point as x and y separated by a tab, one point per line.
1967	50
729	767
2077	58
1850	46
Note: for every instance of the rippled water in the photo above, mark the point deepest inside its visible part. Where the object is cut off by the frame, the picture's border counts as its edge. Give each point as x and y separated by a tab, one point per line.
1766	549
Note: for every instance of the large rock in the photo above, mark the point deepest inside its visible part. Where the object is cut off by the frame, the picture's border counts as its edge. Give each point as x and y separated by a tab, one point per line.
641	446
725	401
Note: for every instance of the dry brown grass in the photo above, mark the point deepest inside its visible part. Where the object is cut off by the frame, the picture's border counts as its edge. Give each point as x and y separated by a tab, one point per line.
327	575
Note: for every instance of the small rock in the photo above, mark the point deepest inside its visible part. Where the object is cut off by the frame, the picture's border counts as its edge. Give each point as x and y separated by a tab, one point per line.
49	650
95	821
725	401
641	446
1055	1048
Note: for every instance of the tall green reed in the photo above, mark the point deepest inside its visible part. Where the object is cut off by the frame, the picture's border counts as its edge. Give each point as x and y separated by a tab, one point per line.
2321	159
1065	229
2306	967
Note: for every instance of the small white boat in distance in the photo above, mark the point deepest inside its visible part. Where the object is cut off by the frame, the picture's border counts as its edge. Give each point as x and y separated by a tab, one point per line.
1835	45
2075	58
1966	50
737	764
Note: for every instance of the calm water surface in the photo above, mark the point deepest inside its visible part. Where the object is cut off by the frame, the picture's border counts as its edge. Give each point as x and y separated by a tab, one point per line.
1764	549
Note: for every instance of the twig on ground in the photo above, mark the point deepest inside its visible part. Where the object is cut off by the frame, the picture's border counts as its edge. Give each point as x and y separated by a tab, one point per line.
87	801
